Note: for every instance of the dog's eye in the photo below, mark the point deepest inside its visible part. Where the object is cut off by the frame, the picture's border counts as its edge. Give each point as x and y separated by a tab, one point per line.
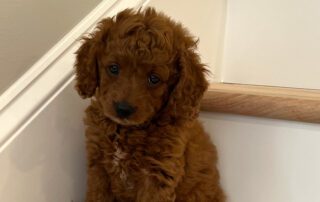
154	79
114	69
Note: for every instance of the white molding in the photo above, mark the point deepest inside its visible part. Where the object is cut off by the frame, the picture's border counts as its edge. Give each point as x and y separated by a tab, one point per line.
31	93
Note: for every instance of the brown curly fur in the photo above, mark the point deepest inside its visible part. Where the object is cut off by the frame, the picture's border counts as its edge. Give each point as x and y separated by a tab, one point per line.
161	152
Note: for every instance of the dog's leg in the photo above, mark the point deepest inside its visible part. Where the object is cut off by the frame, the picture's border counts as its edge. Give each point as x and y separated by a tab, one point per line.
160	181
152	191
98	185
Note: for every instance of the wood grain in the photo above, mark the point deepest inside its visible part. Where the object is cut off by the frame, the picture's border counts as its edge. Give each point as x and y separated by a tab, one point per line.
263	101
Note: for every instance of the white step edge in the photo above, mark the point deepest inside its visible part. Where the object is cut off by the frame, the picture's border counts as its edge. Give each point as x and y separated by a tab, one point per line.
33	91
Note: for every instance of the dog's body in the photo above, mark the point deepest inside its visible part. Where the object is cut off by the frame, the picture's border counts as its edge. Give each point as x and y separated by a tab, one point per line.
153	164
144	142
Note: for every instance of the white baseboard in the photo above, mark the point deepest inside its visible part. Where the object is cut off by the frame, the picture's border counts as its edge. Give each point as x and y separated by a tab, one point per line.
32	92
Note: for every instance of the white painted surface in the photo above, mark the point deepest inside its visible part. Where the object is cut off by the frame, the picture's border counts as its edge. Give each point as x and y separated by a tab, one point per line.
46	162
264	160
273	42
55	53
29	28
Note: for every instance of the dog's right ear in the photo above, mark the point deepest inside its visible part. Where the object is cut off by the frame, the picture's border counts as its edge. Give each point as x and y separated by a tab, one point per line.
86	65
86	69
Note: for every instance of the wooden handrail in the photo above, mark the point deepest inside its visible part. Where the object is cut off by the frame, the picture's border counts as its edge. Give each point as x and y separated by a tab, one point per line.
263	101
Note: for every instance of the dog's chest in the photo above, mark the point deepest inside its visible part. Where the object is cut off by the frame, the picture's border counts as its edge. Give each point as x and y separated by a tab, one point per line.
123	163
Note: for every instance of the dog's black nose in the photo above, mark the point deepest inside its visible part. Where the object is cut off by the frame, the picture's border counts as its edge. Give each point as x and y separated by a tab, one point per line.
123	109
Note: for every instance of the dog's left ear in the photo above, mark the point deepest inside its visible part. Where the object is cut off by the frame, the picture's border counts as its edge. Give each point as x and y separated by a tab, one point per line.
184	101
86	65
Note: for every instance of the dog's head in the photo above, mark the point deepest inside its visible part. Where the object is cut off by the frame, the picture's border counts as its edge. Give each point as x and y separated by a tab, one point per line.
141	66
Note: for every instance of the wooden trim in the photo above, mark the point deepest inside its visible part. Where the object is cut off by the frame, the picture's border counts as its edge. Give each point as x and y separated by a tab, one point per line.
263	101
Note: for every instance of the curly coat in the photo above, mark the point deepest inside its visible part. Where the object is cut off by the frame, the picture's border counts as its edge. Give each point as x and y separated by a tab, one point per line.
159	152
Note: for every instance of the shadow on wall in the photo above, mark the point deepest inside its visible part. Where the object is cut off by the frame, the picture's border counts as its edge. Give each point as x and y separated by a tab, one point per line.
46	162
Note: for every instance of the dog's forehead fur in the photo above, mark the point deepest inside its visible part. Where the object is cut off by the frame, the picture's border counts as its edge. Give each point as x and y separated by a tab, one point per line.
143	41
136	51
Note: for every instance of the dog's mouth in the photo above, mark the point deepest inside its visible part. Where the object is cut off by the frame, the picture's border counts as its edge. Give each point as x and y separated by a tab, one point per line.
121	121
124	121
128	122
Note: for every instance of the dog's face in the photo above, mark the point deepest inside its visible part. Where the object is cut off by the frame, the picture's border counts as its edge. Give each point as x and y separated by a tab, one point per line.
139	65
133	87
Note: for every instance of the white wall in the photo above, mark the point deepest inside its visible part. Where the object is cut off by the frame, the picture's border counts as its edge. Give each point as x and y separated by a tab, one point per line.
29	28
264	160
46	163
272	42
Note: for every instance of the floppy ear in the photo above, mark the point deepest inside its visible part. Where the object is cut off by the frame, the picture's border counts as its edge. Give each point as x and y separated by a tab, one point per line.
86	69
86	65
184	100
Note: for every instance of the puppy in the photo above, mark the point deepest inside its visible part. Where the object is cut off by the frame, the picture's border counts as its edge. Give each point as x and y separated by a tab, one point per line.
144	142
